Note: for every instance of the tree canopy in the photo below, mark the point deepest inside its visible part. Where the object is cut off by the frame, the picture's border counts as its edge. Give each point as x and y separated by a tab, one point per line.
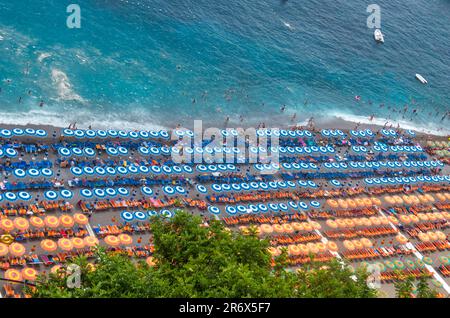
204	261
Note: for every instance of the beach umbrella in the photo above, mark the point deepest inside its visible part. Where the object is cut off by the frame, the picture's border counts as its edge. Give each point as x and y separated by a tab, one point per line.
169	190
180	189
100	171
150	261
262	207
166	213
17	249
123	191
231	210
18	131
112	151
34	172
123	170
77	151
80	219
90	241
89	152
141	216
21	224
78	243
213	210
125	239
216	187
49	245
19	173
127	216
315	204
10	152
303	205
86	193
144	151
51	221
13	274
335	183
51	195
427	260
10	196
23	195
65	152
201	188
65	244
66	221
37	222
47	172
66	194
100	193
76	171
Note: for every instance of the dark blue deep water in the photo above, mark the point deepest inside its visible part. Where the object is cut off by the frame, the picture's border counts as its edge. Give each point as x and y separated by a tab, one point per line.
145	63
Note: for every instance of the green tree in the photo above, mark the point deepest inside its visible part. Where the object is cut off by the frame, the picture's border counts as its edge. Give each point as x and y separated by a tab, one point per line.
197	261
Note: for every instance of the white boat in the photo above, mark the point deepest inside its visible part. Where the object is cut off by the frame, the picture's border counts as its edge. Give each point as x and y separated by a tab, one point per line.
379	37
421	79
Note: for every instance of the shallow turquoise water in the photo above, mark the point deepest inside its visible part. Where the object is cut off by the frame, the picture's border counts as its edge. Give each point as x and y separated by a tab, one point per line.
136	64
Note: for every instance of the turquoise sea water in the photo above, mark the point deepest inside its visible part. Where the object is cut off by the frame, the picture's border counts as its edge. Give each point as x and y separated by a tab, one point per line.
143	63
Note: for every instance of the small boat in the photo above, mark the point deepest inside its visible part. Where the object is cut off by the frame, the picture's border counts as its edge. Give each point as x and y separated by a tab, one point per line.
421	79
379	37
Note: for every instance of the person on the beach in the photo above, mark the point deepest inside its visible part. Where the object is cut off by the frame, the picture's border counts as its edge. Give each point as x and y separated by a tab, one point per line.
283	108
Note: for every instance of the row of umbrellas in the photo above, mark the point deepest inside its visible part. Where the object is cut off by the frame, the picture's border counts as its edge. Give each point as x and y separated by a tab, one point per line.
362	133
384	148
131	169
9	152
66	152
21	173
272	185
7	133
373	164
12	196
403	180
50	221
27	273
263	208
79	133
144	215
52	195
101	193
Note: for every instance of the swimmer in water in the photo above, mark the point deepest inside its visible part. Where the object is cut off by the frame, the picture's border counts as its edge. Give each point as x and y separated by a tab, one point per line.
282	108
41	103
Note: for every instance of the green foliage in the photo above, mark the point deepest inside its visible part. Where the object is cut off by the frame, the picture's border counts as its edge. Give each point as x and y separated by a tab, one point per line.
197	261
406	289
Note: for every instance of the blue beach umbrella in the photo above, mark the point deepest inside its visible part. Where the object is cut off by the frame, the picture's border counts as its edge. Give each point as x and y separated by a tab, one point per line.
146	191
30	131
166	213
18	131
201	188
10	196
88	170
90	133
112	151
216	187
180	189
89	152
111	192
213	210
77	151
262	207
34	172
293	205
86	193
102	133
231	210
169	190
140	216
127	216
66	194
303	205
79	133
144	169
315	204
123	191
23	195
19	173
187	169
226	187
110	170
133	169
76	171
51	195
100	171
46	172
100	193
336	183
11	152
6	133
